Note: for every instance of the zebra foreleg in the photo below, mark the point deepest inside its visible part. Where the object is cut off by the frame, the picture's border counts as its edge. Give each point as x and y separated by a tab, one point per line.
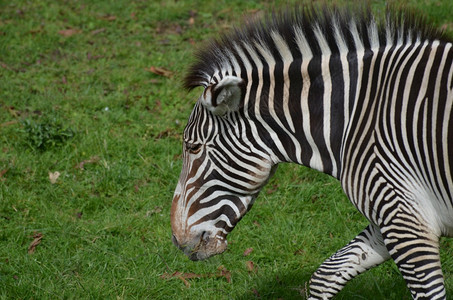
365	251
415	250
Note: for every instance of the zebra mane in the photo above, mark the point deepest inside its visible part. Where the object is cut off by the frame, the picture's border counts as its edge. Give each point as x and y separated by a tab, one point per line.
341	29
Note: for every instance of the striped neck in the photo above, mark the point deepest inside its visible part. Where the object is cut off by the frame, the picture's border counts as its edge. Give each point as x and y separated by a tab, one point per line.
302	103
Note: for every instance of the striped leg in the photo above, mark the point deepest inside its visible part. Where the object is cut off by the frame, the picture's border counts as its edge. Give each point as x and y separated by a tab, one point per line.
415	250
365	251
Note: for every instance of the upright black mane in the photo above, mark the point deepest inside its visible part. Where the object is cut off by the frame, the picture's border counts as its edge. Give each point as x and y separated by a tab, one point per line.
394	26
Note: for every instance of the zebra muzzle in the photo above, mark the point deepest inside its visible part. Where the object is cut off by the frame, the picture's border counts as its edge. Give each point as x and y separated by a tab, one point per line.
202	246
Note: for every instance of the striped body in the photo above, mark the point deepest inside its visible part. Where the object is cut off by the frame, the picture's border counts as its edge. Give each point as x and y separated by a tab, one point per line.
367	103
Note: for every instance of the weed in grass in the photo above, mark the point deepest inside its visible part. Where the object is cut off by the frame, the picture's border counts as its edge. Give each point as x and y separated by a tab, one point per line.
50	132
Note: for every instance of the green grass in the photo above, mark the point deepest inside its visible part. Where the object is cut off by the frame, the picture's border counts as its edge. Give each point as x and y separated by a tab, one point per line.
87	106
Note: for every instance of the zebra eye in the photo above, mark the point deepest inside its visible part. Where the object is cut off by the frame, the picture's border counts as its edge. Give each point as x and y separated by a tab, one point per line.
193	148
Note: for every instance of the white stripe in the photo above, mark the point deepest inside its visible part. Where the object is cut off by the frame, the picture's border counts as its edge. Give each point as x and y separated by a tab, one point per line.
327	95
356	36
302	44
343	51
373	35
287	59
307	55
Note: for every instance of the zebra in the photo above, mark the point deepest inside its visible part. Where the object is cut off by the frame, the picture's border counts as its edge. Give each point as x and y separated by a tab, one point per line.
364	98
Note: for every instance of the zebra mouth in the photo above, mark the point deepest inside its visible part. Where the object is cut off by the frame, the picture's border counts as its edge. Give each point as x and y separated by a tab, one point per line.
205	246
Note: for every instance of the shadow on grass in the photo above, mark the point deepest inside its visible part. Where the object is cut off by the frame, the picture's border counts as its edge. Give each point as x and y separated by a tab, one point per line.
280	285
294	285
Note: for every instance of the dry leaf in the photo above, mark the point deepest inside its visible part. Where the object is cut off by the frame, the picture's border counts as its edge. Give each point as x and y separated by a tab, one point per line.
179	274
93	57
160	71
223	272
54	176
272	189
163	134
299	252
248	251
4	66
69	32
8	123
155	81
187	284
13	112
108	18
156	210
37	237
92	160
97	31
190	275
250	266
35	31
3	172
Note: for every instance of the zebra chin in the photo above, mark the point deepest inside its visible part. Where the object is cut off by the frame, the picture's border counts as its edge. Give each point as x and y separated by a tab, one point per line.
202	246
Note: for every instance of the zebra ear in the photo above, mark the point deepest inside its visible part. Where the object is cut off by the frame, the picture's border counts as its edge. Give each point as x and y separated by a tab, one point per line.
224	96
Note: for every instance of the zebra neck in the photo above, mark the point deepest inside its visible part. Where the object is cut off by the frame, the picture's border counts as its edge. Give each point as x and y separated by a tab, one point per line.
304	109
302	104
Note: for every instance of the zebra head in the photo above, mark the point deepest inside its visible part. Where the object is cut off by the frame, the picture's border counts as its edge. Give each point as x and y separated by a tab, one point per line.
222	171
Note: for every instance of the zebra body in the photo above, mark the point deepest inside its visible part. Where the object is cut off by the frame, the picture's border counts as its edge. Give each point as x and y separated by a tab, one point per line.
367	102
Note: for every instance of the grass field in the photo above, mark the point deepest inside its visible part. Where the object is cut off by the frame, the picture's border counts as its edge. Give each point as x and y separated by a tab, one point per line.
91	117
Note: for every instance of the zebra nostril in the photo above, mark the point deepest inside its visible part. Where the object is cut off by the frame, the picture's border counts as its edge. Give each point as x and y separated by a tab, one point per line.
205	236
